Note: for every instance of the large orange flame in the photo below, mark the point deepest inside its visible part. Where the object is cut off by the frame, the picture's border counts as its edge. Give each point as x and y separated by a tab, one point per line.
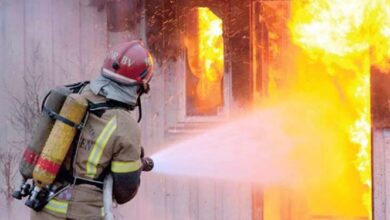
347	38
206	59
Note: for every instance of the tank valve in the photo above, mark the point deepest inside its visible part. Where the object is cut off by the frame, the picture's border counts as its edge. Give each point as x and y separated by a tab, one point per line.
17	194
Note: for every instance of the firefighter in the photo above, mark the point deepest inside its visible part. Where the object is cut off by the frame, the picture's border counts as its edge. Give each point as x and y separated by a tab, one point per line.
109	141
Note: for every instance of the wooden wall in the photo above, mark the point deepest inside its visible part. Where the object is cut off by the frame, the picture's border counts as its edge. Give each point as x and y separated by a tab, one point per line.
63	40
381	167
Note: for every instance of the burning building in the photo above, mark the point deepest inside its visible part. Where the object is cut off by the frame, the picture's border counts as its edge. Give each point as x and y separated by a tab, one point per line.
218	59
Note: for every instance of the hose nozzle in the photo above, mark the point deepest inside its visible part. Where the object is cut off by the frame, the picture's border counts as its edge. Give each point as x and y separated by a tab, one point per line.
147	164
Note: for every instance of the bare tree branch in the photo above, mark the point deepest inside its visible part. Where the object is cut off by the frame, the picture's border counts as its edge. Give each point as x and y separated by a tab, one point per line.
23	116
8	166
26	108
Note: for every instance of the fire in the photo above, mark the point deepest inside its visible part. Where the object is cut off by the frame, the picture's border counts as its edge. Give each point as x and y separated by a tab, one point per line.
206	59
347	38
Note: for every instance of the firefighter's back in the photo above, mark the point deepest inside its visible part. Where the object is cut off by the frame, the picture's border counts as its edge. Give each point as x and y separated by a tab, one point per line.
109	142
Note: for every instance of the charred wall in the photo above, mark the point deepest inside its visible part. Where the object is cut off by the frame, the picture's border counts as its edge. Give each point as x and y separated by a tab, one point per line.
165	28
162	29
238	35
380	98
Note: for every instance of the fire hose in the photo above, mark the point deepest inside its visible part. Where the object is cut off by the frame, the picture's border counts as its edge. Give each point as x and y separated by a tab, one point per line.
147	165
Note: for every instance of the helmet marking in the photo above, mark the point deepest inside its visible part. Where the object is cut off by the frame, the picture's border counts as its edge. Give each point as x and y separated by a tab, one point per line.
127	61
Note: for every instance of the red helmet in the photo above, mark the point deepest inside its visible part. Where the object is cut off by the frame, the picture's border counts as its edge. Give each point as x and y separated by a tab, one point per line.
128	63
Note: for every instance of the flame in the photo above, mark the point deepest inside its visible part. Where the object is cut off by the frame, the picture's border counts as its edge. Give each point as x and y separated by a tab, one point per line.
206	59
347	38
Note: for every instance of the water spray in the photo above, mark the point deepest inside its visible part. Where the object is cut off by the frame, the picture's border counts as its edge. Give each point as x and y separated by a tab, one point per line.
227	152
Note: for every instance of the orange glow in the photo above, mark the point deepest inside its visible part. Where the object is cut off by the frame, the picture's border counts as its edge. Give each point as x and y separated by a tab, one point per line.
340	41
321	71
206	59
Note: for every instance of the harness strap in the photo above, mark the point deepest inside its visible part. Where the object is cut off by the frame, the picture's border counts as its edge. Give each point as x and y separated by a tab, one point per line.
44	100
98	109
109	104
59	117
77	87
139	109
80	180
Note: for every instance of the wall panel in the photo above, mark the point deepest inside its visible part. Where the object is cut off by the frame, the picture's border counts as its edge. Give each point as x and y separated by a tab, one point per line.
66	40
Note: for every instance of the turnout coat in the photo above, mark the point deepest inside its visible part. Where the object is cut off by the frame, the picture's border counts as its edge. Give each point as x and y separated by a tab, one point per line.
109	142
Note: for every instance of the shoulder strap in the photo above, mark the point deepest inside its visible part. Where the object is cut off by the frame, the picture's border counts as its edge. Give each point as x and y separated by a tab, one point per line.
61	118
99	108
77	87
73	88
44	100
139	109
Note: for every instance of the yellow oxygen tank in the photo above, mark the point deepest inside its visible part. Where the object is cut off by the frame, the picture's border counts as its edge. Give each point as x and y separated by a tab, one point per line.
52	103
59	140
